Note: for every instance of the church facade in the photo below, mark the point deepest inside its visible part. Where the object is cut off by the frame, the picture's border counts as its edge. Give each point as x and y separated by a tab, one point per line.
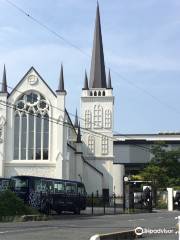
38	138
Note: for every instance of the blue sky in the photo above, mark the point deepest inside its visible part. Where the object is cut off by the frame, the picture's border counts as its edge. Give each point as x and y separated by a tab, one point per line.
141	43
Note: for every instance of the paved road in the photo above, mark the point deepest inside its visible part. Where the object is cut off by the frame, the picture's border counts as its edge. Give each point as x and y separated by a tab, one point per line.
70	227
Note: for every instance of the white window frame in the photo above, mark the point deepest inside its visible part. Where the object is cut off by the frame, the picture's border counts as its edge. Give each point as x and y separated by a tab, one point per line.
91	144
98	116
105	145
35	109
88	119
108	119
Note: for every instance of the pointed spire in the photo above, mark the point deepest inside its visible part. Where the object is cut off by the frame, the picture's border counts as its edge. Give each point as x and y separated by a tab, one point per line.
79	134
61	81
76	120
97	73
4	82
109	80
86	87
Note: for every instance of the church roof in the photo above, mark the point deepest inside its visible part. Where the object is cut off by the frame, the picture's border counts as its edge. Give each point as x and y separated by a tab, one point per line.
32	69
97	72
4	82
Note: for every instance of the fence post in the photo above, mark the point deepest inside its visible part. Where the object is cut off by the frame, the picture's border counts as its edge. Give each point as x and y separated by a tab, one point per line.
92	203
104	205
114	198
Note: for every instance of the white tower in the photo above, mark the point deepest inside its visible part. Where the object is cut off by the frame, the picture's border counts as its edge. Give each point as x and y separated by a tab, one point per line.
3	117
61	164
97	104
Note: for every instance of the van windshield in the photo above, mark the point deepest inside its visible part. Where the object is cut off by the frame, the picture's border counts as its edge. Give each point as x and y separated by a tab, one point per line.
20	184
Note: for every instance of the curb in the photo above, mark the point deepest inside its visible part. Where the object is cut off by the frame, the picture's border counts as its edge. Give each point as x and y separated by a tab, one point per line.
115	236
24	218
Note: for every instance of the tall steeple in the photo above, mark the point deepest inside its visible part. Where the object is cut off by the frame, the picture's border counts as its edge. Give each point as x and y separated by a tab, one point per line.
97	73
86	87
76	120
79	134
4	82
109	81
61	81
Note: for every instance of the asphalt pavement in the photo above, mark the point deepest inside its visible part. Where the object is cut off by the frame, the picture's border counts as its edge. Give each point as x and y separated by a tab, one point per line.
69	227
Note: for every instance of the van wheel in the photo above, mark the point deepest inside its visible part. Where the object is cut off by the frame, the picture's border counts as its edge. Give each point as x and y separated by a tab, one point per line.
76	210
59	212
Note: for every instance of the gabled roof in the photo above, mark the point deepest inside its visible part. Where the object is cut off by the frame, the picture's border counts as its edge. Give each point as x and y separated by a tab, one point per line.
32	69
97	72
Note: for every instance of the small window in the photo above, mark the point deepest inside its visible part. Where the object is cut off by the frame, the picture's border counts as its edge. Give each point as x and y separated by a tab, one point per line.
81	190
99	93
59	187
21	184
95	93
87	119
91	144
71	188
37	185
91	93
104	145
98	116
108	119
103	93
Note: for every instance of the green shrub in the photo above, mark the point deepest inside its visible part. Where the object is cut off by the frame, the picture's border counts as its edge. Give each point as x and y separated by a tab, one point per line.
11	205
161	204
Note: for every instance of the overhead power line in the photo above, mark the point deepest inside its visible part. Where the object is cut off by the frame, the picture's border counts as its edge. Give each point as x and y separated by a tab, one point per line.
49	29
63	123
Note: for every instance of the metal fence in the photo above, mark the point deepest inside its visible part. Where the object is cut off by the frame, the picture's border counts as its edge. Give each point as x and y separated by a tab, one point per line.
101	205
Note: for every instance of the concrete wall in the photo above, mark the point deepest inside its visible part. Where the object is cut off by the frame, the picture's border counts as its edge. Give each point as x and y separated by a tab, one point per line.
129	153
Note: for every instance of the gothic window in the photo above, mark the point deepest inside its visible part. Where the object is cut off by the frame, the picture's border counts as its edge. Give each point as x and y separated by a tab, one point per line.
104	145
108	119
95	93
103	93
98	116
91	144
99	93
31	127
88	119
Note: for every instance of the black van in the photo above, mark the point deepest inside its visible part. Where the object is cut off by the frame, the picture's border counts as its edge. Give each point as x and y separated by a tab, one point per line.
47	194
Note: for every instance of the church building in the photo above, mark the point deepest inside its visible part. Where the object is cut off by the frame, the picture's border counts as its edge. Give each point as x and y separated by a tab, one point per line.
38	138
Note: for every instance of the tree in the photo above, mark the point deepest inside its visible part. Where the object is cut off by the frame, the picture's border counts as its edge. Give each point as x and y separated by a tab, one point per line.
164	168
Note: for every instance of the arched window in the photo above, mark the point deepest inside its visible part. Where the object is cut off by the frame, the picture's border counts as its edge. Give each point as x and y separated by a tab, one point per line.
103	93
31	127
91	93
95	93
91	144
88	119
98	116
99	93
104	145
108	119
